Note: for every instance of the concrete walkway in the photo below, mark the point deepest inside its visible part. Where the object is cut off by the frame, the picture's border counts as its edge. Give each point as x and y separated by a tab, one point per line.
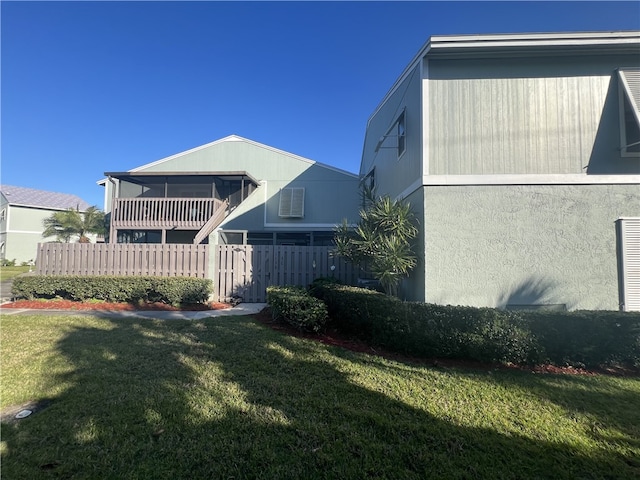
241	309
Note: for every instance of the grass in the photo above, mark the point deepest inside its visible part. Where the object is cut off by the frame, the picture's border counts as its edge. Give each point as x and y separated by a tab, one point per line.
230	398
7	273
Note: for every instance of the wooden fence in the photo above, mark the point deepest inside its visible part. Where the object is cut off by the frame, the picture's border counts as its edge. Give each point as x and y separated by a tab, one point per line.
123	259
247	270
240	270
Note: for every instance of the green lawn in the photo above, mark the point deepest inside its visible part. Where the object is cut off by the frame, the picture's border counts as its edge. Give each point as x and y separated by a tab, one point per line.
7	273
229	398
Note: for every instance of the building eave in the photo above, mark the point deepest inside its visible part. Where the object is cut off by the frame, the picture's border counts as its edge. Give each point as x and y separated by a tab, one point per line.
505	45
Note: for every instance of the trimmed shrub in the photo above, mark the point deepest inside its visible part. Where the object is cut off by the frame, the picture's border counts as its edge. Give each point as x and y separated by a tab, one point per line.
297	307
586	338
173	290
484	334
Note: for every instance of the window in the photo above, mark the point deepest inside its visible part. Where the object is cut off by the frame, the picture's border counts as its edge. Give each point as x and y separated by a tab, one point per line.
139	236
629	95
260	238
301	239
3	214
291	203
400	132
369	180
231	238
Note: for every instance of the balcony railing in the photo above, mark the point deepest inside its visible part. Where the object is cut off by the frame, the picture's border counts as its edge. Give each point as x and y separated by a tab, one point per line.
163	213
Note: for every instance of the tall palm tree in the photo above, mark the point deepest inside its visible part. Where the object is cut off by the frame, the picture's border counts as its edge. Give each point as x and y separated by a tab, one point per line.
69	223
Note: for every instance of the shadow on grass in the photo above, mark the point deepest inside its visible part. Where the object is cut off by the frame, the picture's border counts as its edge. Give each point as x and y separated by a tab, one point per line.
228	398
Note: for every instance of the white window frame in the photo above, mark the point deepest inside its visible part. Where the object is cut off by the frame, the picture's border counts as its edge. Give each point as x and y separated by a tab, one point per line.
628	98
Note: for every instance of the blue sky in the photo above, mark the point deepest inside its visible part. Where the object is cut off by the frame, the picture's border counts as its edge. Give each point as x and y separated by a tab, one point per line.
89	87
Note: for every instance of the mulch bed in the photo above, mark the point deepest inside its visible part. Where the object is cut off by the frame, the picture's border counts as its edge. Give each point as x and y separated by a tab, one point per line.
335	338
58	304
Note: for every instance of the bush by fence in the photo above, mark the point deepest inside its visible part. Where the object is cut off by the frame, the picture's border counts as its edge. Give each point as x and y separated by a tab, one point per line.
173	290
484	334
297	307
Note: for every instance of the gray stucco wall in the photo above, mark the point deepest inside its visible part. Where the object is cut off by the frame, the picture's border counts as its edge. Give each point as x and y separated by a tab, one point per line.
525	244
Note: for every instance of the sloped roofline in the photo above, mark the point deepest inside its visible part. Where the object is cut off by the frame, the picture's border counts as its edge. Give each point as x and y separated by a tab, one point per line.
236	138
457	46
28	197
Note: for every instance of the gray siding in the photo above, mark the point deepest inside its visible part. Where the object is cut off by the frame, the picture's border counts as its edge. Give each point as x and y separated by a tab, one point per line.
499	245
330	194
393	174
23	231
530	116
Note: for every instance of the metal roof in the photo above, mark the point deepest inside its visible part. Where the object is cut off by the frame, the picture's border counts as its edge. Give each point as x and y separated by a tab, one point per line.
30	197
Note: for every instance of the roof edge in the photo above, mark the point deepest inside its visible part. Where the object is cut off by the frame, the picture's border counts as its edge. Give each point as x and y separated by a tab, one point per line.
440	44
237	138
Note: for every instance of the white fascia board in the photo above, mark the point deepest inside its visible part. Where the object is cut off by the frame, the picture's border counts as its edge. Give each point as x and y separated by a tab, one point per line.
40	207
440	43
522	179
531	179
31	232
535	39
236	138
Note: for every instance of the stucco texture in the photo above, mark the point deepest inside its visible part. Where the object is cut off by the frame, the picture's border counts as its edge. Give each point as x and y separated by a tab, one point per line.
525	244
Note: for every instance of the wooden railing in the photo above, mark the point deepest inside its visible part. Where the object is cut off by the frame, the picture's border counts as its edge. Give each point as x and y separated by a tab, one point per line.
178	213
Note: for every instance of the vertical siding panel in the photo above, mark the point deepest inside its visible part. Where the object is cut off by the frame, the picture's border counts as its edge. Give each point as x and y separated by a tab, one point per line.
484	128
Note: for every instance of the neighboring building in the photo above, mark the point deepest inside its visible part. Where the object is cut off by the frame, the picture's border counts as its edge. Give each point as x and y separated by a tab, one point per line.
22	211
520	155
231	191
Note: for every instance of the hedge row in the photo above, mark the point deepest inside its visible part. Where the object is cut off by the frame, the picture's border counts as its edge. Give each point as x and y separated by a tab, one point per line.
173	290
484	334
297	307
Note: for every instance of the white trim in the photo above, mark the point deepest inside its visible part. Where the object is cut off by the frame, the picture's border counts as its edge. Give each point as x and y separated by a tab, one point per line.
300	226
409	190
39	232
629	257
440	43
530	179
424	128
628	92
236	138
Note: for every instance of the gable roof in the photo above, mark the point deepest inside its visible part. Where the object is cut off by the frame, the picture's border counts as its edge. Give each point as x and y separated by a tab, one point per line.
30	197
236	138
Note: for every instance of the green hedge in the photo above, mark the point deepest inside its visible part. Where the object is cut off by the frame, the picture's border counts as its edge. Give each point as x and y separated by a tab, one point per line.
483	334
297	307
173	290
586	337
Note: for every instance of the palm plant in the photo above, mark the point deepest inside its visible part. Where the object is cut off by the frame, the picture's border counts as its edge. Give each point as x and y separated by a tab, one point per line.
69	223
381	239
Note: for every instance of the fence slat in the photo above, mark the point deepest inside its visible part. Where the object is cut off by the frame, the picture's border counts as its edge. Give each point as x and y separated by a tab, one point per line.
122	259
247	270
